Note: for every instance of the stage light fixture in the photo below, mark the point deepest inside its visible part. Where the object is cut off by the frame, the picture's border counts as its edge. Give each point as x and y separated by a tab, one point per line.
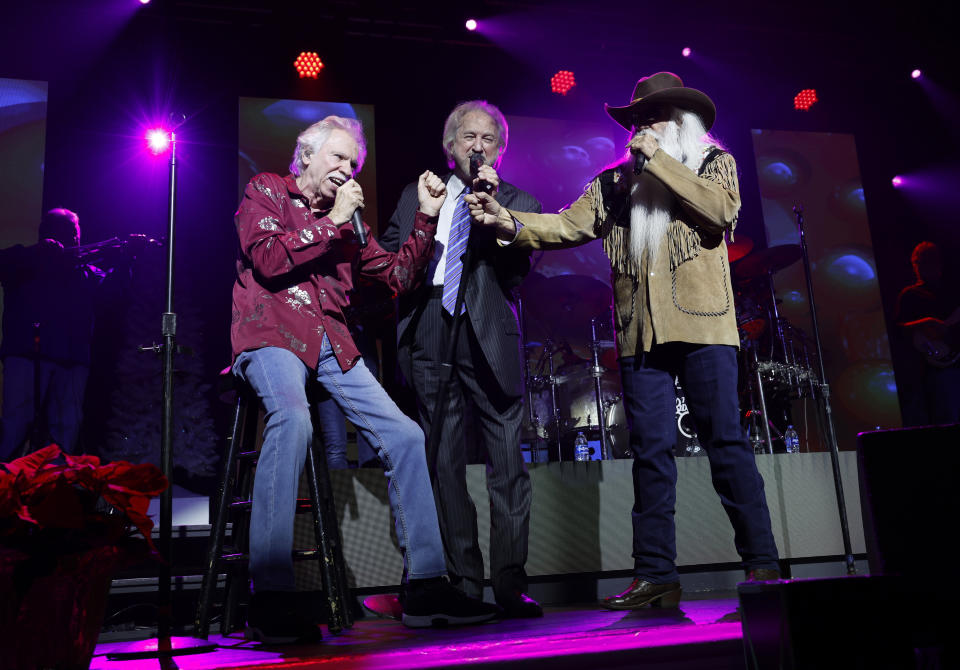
308	64
804	99
144	2
471	24
916	74
562	82
686	52
897	181
158	140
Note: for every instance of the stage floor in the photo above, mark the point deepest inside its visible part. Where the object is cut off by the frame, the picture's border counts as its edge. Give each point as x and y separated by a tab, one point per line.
702	633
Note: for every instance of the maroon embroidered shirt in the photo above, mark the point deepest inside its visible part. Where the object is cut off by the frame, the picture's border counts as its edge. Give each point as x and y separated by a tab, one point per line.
296	272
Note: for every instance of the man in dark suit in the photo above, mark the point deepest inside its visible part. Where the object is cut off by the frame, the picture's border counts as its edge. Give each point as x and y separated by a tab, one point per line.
488	372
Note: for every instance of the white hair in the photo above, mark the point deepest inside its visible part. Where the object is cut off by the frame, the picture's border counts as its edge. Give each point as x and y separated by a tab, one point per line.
314	137
686	139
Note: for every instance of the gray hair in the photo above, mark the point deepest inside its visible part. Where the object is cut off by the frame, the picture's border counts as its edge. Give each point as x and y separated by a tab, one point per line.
452	125
314	137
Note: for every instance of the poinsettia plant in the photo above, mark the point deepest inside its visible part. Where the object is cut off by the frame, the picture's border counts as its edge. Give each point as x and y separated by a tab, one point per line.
76	499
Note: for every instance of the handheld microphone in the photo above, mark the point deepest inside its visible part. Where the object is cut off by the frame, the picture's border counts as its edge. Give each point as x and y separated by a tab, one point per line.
358	228
476	160
638	162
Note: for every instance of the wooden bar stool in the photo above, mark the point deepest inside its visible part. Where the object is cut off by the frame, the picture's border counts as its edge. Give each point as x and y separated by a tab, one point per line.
234	504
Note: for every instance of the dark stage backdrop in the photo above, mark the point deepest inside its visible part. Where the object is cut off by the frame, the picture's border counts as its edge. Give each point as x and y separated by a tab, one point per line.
821	172
23	122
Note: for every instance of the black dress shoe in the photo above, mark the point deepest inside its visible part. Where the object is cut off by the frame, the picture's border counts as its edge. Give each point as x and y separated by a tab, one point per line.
641	593
521	606
762	575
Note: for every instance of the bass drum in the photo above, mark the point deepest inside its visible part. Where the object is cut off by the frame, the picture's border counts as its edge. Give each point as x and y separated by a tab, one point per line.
619	431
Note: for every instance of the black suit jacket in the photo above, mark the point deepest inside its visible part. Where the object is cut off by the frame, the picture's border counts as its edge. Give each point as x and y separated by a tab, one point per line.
489	294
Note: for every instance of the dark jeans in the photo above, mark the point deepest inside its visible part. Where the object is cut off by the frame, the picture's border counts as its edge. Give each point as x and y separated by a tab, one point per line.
708	374
61	392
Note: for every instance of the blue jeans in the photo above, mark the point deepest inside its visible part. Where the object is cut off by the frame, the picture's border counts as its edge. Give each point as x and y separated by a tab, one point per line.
708	374
333	430
279	378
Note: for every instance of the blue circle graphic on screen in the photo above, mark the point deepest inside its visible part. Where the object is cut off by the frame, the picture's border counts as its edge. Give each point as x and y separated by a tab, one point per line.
853	268
778	171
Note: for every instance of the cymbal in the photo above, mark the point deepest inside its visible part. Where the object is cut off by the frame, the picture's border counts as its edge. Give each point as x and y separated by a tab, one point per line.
565	304
740	248
765	261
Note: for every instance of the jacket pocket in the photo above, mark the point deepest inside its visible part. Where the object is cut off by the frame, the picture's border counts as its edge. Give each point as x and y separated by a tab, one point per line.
699	286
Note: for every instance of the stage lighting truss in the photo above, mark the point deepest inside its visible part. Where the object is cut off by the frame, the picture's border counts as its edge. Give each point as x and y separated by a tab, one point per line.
562	82
308	64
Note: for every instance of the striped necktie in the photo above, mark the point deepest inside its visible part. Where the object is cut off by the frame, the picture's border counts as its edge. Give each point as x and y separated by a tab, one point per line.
456	245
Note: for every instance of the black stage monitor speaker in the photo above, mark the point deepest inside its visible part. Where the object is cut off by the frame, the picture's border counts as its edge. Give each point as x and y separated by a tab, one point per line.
910	498
902	616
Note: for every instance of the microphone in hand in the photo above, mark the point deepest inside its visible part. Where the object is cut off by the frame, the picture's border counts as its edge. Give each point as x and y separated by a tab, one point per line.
358	228
639	160
476	160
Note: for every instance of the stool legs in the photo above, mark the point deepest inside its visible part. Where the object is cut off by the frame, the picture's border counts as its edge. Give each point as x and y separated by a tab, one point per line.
332	571
237	475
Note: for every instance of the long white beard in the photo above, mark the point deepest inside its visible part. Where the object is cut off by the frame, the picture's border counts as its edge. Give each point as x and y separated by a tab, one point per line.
650	216
652	204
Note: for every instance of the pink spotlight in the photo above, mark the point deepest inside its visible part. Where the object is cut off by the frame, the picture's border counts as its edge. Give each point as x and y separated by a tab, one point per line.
144	2
471	24
158	140
916	74
686	52
897	181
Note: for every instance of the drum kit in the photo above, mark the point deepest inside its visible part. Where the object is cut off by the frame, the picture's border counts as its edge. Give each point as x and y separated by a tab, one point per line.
571	367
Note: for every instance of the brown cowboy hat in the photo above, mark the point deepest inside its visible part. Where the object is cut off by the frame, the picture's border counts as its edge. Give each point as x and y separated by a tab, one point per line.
664	88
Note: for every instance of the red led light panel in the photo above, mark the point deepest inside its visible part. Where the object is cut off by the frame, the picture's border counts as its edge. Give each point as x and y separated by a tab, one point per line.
804	99
562	82
308	64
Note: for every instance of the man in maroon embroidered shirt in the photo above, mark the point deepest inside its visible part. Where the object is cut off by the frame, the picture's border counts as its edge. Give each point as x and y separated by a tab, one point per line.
299	261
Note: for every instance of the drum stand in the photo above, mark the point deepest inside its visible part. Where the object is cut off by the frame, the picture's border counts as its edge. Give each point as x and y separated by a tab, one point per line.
528	383
597	372
756	393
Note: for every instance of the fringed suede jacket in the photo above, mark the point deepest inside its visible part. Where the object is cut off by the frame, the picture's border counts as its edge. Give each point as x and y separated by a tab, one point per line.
685	293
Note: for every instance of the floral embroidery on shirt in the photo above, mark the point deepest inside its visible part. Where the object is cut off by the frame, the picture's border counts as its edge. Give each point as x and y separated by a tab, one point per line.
402	275
295	344
264	189
299	297
306	235
269	223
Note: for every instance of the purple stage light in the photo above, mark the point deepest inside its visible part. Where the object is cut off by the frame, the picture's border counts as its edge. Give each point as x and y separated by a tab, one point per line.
158	140
686	52
916	74
144	2
471	24
897	181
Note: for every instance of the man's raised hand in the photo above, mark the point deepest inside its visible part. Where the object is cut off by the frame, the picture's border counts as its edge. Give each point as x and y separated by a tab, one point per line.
432	192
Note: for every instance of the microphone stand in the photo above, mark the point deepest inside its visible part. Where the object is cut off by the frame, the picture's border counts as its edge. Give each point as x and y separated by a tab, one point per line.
164	646
449	363
825	387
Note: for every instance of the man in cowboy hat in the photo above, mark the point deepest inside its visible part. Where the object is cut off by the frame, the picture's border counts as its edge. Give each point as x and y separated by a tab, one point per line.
662	214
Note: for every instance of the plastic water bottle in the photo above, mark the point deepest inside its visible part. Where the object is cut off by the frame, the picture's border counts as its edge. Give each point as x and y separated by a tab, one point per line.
791	440
581	450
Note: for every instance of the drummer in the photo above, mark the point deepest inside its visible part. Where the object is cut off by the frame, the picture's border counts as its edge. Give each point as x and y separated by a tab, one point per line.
662	214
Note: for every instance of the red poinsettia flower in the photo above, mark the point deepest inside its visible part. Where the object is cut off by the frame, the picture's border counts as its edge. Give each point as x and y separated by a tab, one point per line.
37	491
